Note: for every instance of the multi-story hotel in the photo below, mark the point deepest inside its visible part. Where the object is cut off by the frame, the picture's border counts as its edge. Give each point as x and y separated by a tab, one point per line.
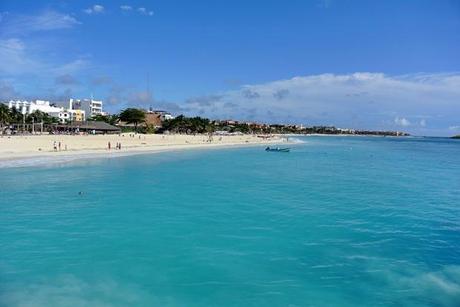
28	107
90	106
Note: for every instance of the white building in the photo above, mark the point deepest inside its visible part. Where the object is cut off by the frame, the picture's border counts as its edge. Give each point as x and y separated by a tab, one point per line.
90	106
28	107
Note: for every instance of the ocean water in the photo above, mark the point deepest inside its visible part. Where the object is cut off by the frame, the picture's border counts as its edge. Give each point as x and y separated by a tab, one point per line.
338	221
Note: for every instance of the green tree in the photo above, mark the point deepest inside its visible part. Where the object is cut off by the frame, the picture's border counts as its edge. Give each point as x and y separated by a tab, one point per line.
132	116
5	114
41	117
182	124
109	119
15	115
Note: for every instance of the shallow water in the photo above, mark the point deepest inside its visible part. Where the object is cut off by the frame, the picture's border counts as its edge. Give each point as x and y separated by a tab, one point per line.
338	221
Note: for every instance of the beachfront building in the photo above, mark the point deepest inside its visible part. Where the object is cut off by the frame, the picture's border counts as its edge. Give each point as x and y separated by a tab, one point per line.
77	115
91	127
90	107
156	118
28	107
68	116
61	113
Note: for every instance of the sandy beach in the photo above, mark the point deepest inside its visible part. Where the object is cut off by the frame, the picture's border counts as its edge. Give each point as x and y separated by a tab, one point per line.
34	146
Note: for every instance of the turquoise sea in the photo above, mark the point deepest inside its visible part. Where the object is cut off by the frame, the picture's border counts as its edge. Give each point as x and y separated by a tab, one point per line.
338	221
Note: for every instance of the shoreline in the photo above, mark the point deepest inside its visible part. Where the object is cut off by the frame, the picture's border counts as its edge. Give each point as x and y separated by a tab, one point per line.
21	151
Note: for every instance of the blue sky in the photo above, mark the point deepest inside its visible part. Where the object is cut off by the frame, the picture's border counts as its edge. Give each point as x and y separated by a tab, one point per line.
362	64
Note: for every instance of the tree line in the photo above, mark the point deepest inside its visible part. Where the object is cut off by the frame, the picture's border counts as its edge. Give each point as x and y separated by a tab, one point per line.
180	124
14	116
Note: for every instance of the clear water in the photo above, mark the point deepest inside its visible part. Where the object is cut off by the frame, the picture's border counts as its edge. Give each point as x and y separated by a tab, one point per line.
338	221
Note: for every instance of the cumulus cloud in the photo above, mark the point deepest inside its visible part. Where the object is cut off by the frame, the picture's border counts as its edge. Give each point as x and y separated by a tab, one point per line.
116	95
7	91
95	9
126	7
401	121
281	94
20	55
144	11
358	100
250	93
140	98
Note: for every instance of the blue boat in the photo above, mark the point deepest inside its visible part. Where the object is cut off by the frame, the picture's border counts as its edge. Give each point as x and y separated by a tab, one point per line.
277	149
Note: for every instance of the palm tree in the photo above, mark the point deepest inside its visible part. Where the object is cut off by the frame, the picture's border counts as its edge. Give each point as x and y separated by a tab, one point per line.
36	116
5	115
15	115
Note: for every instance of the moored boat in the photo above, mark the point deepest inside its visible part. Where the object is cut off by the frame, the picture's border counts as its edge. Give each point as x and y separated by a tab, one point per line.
277	149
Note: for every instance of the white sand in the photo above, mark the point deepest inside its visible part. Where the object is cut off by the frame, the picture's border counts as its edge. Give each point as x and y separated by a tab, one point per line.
42	146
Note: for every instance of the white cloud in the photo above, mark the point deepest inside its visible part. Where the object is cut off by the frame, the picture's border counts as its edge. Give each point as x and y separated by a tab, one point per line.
14	25
71	67
98	8
402	122
52	20
359	100
14	60
126	7
454	128
144	11
24	56
14	44
140	97
7	91
95	9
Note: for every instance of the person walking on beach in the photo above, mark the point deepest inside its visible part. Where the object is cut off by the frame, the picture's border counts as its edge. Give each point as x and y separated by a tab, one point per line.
59	146
119	145
54	146
108	145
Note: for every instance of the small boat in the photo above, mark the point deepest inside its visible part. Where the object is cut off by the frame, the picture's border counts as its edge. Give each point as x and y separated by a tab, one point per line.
277	149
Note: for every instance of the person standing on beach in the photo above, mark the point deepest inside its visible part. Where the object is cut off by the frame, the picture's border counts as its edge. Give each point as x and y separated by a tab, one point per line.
108	145
59	146
54	146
